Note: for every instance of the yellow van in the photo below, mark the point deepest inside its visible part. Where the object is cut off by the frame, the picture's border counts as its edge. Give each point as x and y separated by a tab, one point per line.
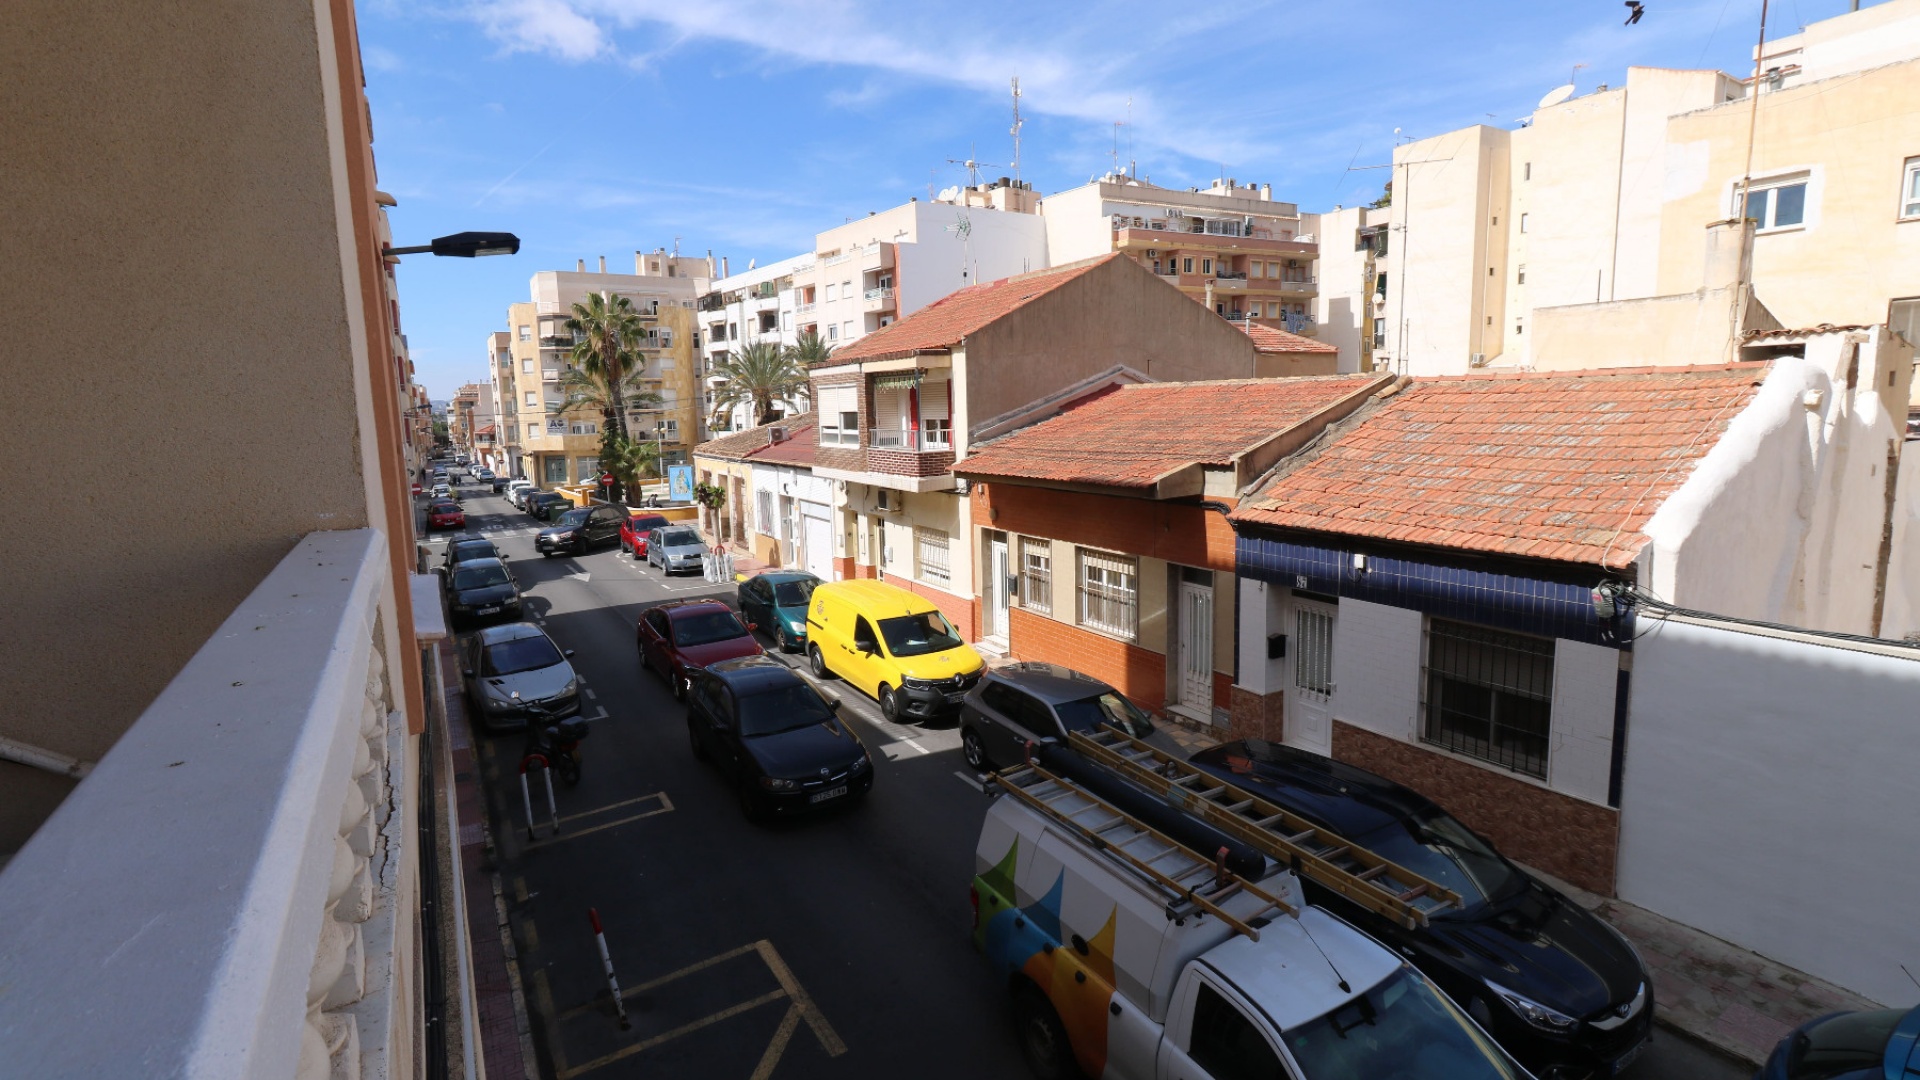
892	644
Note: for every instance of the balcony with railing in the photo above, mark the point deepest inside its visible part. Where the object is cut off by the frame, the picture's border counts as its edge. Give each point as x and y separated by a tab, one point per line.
232	884
880	299
556	341
1132	239
804	309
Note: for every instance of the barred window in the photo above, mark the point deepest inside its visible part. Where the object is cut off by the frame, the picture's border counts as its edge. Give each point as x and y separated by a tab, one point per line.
763	502
1110	593
1489	694
1036	574
1313	651
932	556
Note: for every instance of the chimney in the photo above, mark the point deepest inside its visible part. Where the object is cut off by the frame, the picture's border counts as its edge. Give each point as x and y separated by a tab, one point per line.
710	272
724	272
637	264
580	265
603	264
1266	192
1729	254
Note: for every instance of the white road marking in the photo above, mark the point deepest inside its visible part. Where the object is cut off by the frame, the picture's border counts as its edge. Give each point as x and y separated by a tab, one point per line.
599	714
972	780
591	696
582	575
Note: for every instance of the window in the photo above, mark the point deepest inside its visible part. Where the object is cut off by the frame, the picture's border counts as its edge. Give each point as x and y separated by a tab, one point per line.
829	292
1036	574
533	431
833	332
936	425
1313	651
556	470
1186	265
1521	279
589	468
1523	223
1489	694
526	333
1778	203
839	416
1380	286
1226	1044
533	397
1110	593
847	327
526	367
1206	266
930	549
1526	171
1910	189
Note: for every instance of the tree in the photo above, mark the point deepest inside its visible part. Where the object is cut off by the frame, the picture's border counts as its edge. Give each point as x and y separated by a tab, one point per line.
1385	200
582	388
812	349
630	461
761	374
607	333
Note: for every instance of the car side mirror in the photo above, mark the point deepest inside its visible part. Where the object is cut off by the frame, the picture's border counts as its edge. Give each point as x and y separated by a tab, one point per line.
568	652
468	673
833	704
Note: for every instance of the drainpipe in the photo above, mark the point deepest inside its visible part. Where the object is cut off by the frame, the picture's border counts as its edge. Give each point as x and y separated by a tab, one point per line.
33	756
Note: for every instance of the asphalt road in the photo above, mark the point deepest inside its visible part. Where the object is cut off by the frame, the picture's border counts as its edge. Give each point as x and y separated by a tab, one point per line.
833	946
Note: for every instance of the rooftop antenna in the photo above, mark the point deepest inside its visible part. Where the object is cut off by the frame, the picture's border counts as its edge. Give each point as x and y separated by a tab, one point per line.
1574	76
963	229
1753	119
676	247
1133	165
1017	122
973	167
1117	125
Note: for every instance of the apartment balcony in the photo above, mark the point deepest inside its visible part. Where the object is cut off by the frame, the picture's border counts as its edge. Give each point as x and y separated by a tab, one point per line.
231	885
556	341
879	299
1289	284
804	309
551	375
1131	239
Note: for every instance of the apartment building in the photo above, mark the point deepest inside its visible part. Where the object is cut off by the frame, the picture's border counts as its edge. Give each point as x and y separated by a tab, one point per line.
1353	251
504	457
1228	246
757	306
558	445
1509	245
470	409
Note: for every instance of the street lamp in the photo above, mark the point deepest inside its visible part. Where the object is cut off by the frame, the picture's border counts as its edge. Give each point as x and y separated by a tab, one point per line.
465	245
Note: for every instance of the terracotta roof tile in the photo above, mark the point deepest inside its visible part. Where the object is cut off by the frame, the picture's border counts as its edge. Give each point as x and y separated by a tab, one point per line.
949	320
739	445
796	449
1130	436
1266	339
1567	466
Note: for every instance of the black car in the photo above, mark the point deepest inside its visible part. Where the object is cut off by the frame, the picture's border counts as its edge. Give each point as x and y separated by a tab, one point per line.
466	549
580	530
1559	989
1015	704
545	504
514	673
778	742
499	484
481	590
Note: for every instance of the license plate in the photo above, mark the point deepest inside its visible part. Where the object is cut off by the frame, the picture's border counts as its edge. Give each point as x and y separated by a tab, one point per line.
832	793
1626	1059
955	699
488	611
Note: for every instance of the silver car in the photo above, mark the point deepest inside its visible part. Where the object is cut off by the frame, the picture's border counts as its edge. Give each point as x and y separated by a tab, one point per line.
515	673
674	548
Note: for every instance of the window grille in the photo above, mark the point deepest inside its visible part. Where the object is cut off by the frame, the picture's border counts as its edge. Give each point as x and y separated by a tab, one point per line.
1036	575
932	545
1489	694
764	505
1110	593
1313	651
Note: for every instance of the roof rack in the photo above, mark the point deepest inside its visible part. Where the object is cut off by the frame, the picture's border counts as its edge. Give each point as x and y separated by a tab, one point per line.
1383	887
1186	874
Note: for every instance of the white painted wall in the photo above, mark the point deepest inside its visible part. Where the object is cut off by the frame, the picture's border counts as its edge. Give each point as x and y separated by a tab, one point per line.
1770	799
936	261
1076	228
1902	616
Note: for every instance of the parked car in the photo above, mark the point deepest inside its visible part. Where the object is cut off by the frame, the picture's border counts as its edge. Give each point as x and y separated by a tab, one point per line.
545	504
468	548
674	548
1561	990
1016	704
580	530
634	530
517	492
483	474
481	590
446	514
780	744
1849	1046
499	484
892	644
444	491
683	634
776	601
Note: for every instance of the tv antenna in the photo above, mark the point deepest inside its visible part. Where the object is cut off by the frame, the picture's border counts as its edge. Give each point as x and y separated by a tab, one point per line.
1017	123
973	167
963	228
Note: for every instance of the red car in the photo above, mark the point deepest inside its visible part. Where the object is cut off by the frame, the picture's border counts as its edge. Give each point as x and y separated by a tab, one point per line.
634	530
686	634
446	515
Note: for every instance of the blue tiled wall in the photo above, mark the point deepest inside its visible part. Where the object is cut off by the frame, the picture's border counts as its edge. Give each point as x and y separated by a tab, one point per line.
1522	604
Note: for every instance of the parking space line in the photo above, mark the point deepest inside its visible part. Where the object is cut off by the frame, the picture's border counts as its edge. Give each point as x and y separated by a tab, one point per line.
543	1004
829	1041
666	807
781	1037
972	780
684	1029
690	969
591	696
660	795
599	713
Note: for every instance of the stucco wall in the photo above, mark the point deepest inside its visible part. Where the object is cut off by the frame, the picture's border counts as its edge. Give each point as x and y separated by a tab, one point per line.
1445	193
1690	328
1758	809
184	188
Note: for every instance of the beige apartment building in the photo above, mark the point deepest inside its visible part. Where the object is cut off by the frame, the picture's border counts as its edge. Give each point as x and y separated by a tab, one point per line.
505	454
1507	246
557	446
1228	246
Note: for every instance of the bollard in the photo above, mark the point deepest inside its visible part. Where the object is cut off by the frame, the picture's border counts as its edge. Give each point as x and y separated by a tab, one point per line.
526	797
606	961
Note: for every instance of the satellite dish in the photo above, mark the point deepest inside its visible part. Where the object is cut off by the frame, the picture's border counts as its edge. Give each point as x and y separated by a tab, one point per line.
1555	96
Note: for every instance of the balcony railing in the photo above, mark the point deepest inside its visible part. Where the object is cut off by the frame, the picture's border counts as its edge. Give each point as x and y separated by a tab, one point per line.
907	438
556	341
1232	275
835	260
230	884
804	309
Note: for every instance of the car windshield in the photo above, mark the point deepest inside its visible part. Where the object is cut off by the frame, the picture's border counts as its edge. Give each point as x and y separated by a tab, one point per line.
1088	714
520	654
793	593
706	627
445	508
917	635
480	550
1436	846
786	708
1843	1045
479	577
576	516
679	538
1402	1027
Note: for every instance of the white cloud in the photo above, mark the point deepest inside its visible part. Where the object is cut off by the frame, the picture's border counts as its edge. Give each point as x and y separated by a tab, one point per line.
550	26
380	59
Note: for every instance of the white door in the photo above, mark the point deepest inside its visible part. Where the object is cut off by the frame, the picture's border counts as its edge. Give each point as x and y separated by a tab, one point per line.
996	586
1195	691
816	542
1309	675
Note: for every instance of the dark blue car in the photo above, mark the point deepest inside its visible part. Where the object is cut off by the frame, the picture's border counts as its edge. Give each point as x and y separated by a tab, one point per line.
1880	1045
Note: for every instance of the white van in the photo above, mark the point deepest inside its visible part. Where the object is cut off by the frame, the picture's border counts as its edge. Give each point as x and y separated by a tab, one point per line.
1132	955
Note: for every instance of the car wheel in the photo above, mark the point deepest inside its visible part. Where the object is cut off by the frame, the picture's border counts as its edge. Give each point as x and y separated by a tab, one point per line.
679	681
1043	1038
889	706
693	738
973	751
818	663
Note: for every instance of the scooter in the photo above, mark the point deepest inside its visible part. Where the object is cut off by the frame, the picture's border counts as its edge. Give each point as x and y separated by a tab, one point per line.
557	742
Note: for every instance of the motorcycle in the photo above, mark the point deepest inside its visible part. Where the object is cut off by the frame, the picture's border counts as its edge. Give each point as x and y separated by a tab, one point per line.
557	742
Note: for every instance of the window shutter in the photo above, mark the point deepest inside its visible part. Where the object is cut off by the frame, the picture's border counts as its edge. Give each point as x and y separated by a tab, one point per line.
933	401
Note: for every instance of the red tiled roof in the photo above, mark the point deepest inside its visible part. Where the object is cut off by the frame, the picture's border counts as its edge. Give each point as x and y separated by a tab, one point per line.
947	321
1269	340
796	449
739	445
1130	436
1563	466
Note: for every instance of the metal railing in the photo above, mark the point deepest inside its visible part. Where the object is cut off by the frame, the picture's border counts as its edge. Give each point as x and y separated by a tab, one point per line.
804	309
907	438
883	293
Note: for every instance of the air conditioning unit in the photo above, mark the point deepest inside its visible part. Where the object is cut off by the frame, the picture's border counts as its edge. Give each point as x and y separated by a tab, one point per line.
777	434
1478	359
886	502
961	485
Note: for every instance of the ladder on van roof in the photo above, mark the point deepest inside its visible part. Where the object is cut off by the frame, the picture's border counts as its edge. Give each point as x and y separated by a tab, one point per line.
1184	873
1383	887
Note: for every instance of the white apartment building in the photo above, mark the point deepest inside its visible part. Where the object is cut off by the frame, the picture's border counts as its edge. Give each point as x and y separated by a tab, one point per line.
755	306
1355	242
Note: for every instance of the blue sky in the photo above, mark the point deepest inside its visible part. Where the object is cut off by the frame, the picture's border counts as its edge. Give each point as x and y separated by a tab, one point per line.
597	127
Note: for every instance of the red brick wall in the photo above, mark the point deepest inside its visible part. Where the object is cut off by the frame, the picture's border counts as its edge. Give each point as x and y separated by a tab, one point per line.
1257	716
1182	534
959	610
1567	837
1139	673
909	462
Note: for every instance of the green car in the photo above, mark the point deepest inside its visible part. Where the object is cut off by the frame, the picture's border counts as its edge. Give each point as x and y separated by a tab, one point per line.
776	602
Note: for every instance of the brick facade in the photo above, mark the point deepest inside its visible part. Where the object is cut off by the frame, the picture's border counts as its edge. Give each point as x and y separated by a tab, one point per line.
846	458
962	611
909	462
1567	837
1139	673
1256	716
1176	532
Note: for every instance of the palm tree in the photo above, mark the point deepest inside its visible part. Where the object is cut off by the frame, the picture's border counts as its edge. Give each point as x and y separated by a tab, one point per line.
580	387
761	374
811	349
629	460
607	332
